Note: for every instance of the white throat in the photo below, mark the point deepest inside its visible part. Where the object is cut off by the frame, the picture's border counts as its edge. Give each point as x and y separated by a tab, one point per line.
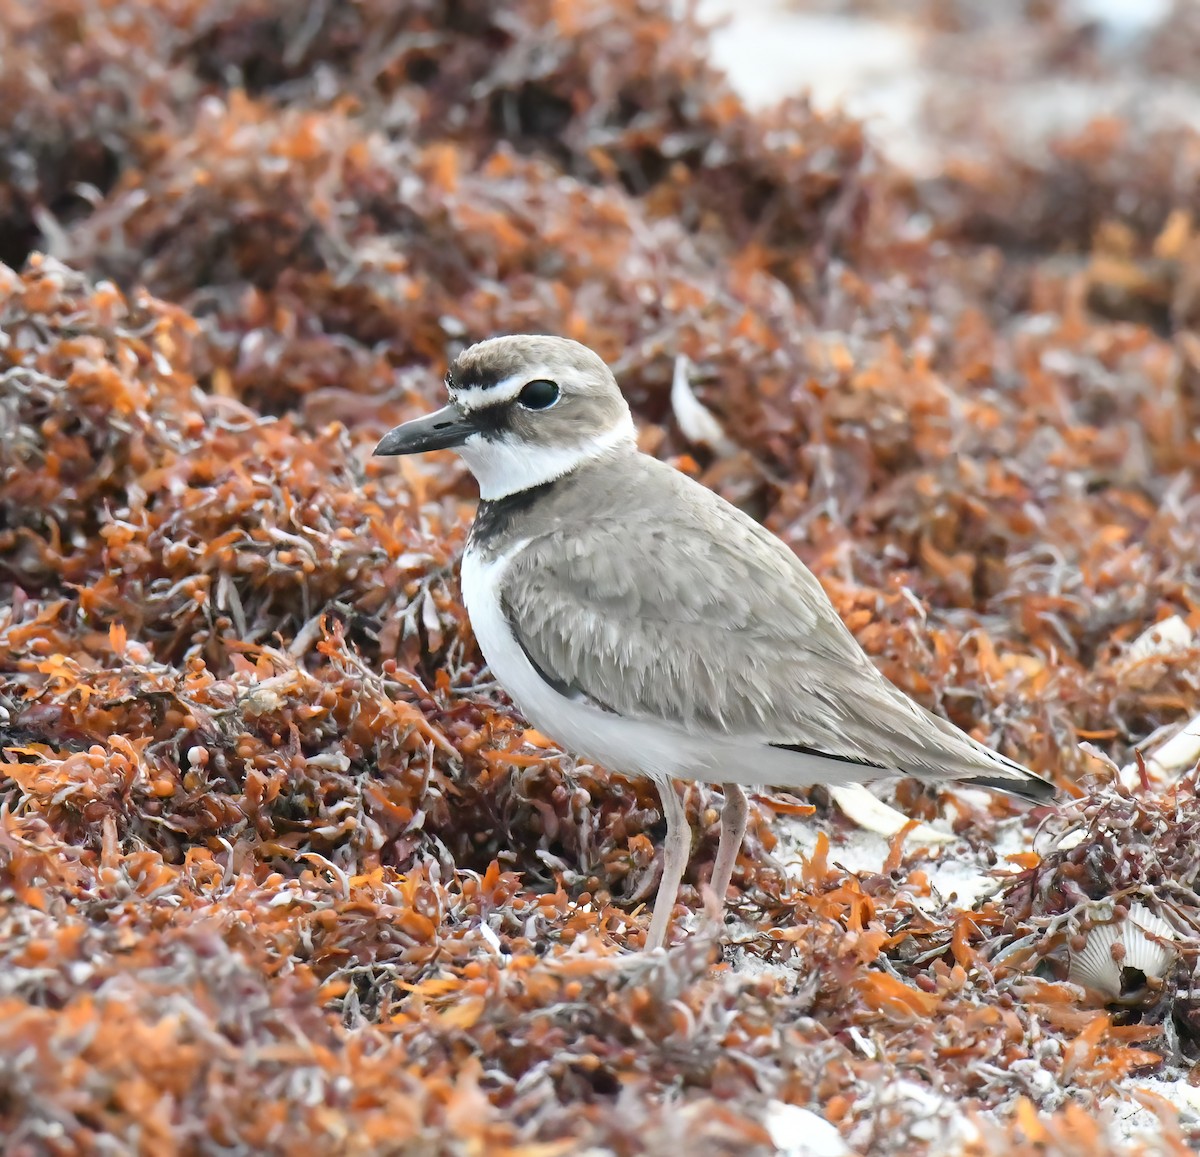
503	467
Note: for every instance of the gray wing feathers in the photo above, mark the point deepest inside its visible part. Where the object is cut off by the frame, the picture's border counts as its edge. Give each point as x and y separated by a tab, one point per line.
719	629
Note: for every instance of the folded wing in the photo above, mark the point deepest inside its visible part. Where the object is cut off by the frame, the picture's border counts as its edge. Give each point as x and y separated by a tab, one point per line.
719	629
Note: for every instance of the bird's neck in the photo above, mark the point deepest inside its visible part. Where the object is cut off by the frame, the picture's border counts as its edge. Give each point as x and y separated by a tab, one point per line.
571	496
504	469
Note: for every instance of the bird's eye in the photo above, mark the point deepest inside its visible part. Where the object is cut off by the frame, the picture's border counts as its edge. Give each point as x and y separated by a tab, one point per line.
538	395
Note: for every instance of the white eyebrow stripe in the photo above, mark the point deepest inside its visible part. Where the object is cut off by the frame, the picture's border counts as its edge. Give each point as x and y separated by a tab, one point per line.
505	390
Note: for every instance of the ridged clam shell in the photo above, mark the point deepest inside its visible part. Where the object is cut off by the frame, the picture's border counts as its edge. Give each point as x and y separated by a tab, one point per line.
1094	966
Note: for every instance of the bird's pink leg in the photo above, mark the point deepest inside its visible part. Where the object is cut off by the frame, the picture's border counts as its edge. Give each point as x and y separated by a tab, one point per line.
733	830
676	848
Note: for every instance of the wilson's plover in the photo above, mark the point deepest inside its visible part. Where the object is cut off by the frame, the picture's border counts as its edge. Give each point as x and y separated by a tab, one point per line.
646	624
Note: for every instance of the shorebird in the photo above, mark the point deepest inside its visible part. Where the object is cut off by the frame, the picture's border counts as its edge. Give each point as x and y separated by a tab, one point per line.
648	625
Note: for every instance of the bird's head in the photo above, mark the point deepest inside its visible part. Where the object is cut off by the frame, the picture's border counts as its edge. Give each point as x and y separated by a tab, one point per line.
523	410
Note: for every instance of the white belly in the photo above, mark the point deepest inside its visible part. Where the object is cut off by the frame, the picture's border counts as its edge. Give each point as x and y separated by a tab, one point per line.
619	744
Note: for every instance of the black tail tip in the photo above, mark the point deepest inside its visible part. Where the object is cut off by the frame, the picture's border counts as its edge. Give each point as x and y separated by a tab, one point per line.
1032	788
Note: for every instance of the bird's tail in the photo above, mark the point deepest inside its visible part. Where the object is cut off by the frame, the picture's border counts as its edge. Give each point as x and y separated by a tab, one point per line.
1031	787
992	770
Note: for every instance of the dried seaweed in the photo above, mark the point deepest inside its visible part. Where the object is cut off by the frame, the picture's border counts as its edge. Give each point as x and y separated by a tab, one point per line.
280	868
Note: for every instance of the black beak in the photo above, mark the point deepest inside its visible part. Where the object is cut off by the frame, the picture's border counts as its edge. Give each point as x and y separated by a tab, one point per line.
448	427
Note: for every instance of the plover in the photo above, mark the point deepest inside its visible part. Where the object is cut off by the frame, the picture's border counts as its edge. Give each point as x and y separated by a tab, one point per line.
648	625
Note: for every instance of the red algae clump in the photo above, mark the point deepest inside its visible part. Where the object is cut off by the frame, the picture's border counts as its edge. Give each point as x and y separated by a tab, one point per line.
281	869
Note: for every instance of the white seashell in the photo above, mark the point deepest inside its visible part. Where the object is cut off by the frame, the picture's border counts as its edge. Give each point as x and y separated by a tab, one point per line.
799	1132
1180	752
871	813
1094	966
1166	638
695	419
1169	760
1071	839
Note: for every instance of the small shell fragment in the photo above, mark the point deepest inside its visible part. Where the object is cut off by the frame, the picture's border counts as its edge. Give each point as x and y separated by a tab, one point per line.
799	1132
695	419
1168	637
872	814
1121	944
1180	752
1171	759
